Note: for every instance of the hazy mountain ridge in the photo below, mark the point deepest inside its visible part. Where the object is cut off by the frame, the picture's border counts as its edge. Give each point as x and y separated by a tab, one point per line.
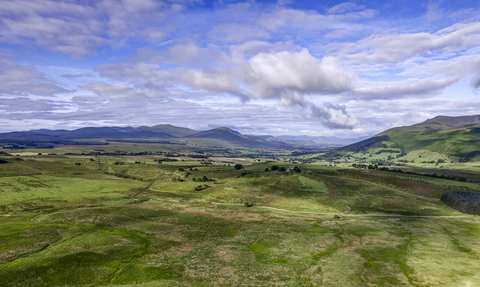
167	131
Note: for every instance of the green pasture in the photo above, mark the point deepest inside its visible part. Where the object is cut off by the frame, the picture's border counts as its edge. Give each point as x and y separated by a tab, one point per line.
72	220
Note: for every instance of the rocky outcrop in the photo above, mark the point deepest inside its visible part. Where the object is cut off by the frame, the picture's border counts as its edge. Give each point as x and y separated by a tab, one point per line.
463	201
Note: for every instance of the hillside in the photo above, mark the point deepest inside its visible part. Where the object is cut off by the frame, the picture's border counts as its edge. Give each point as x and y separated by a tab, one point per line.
440	138
231	136
438	123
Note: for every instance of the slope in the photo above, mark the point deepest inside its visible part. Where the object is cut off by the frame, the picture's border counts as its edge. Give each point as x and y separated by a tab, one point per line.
457	137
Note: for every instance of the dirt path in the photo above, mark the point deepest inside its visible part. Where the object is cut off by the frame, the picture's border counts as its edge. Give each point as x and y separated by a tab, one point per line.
148	186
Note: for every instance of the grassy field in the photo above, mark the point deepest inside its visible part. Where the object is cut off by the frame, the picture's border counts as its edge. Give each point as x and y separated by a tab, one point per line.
76	220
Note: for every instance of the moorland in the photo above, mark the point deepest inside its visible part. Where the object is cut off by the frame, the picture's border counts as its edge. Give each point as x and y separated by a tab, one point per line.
214	211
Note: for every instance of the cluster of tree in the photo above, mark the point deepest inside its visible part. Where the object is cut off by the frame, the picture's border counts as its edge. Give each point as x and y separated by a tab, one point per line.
142	141
297	153
198	156
203	179
388	151
281	168
365	166
201	187
442	176
463	201
177	179
166	159
206	162
238	166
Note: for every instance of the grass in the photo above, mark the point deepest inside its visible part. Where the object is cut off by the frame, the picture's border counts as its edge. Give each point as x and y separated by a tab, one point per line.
63	224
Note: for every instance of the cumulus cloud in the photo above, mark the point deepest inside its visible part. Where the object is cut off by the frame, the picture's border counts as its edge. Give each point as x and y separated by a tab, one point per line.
332	116
285	76
288	75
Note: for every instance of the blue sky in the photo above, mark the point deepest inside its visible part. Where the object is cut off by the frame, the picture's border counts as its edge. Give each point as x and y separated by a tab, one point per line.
330	68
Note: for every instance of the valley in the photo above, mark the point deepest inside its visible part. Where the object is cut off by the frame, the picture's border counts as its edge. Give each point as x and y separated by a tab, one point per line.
201	214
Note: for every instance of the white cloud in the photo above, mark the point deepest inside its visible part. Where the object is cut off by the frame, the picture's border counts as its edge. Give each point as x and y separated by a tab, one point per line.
475	81
344	68
22	80
285	75
344	7
80	30
392	47
412	88
214	81
237	33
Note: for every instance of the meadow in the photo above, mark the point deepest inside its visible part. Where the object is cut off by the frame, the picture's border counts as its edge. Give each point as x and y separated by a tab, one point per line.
84	220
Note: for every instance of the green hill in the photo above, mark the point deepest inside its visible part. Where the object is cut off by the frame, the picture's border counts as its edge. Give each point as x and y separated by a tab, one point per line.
455	138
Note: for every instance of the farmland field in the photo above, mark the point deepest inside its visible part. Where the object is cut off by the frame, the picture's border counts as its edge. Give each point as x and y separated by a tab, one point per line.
69	220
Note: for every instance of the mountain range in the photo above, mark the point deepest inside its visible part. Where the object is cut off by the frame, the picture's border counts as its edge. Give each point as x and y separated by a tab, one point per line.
439	138
102	135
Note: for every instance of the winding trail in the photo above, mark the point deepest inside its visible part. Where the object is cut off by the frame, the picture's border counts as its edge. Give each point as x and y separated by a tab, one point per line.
148	186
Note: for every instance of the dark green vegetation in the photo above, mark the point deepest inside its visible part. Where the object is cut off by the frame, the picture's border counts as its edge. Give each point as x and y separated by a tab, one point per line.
462	200
436	141
106	218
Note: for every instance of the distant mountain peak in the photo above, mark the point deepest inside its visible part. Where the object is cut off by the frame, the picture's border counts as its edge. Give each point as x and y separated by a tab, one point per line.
227	130
453	122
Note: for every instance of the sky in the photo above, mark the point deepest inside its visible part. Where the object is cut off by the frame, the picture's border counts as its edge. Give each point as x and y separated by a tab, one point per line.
317	68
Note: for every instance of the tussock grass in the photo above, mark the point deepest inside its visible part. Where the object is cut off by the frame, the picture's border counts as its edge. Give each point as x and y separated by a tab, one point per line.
68	225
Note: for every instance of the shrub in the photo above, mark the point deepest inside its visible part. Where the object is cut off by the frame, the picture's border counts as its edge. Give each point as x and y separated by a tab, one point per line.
238	166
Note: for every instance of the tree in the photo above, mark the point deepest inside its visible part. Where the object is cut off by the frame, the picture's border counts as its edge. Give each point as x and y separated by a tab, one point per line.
238	166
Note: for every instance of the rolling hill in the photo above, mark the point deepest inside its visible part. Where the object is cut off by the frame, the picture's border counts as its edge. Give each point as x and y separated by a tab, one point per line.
439	138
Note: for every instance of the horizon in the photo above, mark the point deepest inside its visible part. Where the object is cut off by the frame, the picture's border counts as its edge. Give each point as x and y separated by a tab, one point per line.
345	69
